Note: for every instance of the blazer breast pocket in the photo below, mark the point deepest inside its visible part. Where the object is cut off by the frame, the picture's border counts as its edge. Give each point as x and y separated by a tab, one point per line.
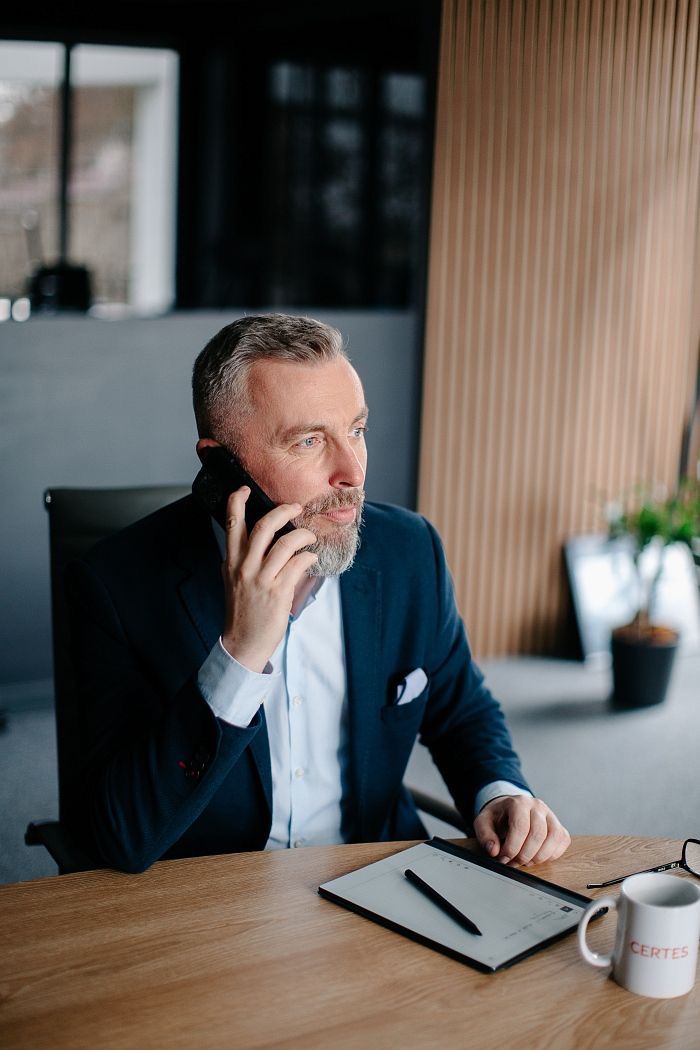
408	713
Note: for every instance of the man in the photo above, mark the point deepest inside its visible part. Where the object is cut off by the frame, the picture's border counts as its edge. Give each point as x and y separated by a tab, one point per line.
242	691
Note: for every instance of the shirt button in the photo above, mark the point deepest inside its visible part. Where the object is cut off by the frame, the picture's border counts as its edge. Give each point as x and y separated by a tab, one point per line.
299	772
298	843
296	701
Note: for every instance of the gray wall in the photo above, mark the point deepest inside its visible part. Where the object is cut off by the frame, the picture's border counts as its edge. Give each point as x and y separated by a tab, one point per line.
86	402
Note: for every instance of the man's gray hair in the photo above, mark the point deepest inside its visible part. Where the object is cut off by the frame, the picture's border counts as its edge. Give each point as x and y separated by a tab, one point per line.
220	373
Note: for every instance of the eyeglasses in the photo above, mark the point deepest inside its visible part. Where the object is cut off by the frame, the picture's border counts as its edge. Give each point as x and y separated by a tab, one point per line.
690	860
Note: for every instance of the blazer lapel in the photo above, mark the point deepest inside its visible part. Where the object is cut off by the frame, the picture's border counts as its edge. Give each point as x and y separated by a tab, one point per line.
202	594
360	591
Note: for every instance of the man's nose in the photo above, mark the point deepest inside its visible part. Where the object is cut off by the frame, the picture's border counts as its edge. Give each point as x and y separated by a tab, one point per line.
348	469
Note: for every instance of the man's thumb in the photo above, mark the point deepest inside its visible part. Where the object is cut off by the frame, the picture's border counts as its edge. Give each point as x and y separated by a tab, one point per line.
486	836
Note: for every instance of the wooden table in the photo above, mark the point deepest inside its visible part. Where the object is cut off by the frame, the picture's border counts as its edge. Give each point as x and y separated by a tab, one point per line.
239	951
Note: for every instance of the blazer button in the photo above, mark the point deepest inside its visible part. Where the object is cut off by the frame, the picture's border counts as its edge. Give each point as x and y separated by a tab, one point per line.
197	764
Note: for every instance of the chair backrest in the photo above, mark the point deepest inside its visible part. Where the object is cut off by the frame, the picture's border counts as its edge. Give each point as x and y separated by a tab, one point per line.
78	519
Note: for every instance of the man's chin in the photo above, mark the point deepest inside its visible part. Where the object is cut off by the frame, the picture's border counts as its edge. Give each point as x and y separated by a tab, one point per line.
336	550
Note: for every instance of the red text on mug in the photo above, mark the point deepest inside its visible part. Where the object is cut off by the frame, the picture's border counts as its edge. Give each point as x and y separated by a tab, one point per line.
651	952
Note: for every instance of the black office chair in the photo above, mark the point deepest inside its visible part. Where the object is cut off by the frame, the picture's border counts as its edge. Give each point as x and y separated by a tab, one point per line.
443	811
78	518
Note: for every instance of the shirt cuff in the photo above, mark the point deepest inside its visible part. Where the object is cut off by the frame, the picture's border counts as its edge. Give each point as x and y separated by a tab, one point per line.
233	692
494	790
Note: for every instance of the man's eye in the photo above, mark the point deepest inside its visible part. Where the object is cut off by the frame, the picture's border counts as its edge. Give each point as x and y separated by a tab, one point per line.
359	431
307	442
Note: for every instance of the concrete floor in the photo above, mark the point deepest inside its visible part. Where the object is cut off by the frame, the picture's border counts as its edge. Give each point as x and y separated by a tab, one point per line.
602	772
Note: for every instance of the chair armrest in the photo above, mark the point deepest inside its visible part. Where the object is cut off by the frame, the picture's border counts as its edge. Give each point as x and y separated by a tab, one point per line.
440	810
61	844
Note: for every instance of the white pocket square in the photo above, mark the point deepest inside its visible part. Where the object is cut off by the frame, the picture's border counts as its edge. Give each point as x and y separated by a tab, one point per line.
411	687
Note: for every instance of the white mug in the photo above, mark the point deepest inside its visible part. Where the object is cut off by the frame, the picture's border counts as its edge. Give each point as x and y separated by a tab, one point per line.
656	944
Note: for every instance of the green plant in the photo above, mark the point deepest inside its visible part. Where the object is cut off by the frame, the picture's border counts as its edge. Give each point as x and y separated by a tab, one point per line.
661	518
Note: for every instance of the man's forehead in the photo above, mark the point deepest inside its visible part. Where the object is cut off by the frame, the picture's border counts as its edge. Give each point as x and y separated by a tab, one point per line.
290	392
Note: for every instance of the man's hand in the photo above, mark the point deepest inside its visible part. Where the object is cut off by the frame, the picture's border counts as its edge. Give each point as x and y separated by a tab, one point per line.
520	829
259	582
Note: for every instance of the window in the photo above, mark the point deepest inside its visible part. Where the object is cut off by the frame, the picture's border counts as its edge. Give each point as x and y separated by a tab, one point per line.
29	91
345	165
121	190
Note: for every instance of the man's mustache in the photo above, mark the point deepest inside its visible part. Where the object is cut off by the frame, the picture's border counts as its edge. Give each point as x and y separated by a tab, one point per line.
334	501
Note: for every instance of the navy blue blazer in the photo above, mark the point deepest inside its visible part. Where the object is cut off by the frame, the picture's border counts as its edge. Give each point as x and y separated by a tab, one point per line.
163	777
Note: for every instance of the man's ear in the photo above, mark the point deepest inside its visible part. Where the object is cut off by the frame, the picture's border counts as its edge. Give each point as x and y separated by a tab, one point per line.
205	443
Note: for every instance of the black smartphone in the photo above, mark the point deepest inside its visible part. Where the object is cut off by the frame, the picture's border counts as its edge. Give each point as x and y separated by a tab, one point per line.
221	473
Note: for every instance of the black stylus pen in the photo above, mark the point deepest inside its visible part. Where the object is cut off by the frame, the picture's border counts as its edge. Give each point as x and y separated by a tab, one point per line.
444	905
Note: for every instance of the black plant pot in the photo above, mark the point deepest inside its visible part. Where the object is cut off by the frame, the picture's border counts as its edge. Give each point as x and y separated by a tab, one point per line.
641	670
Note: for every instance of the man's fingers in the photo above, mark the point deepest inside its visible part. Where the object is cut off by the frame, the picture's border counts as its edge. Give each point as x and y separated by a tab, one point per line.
284	549
296	568
535	837
262	533
236	532
486	832
260	574
518	830
557	842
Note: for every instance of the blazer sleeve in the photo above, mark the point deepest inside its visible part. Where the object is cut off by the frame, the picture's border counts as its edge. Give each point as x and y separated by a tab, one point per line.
151	762
464	726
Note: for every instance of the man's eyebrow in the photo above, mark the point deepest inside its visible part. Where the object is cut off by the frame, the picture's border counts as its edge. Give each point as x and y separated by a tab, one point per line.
305	428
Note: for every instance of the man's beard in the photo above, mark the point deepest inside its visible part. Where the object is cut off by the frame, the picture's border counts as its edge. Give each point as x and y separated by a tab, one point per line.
336	550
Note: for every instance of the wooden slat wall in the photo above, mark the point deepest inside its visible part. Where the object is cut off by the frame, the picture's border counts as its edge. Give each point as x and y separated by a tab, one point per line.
562	332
